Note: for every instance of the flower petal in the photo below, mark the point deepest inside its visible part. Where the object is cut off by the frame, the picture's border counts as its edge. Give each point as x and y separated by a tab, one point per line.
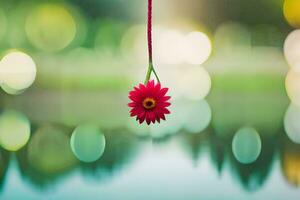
152	117
158	119
165	111
157	87
150	84
162	92
134	98
142	86
150	90
132	104
165	98
163	104
141	117
148	119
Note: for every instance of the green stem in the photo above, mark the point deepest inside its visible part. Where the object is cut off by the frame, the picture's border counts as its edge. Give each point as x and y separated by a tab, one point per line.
149	71
155	74
149	38
148	75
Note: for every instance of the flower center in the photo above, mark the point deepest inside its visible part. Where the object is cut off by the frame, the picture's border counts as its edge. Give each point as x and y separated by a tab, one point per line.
149	103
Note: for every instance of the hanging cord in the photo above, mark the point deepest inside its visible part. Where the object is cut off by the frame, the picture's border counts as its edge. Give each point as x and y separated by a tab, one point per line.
149	38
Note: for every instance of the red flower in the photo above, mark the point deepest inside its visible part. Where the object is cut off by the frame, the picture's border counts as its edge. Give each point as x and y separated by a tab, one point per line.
149	102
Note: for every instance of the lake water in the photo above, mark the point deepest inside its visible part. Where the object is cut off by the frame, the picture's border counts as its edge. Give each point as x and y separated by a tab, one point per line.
230	146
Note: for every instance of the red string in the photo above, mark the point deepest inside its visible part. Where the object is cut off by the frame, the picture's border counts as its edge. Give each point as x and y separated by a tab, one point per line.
149	30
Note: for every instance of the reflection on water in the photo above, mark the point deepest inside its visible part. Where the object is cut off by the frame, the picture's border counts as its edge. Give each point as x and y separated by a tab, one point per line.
291	163
48	150
187	115
4	159
197	116
246	145
208	144
291	123
264	112
87	143
14	130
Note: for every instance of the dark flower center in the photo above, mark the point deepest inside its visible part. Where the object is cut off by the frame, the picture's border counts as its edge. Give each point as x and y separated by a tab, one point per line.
149	103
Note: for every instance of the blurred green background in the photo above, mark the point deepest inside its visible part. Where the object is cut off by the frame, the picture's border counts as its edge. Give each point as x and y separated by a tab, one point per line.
233	70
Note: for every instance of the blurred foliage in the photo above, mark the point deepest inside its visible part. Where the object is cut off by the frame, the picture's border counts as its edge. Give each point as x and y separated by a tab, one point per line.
85	80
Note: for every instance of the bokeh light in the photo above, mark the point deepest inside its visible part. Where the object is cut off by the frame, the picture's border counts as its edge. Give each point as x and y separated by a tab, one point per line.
292	49
50	27
198	116
291	167
188	115
170	126
14	130
133	43
291	123
195	83
10	90
17	71
246	145
87	143
173	123
293	87
291	10
49	150
171	47
197	48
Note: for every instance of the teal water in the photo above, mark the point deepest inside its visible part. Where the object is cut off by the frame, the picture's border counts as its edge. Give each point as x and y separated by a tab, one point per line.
164	164
166	171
